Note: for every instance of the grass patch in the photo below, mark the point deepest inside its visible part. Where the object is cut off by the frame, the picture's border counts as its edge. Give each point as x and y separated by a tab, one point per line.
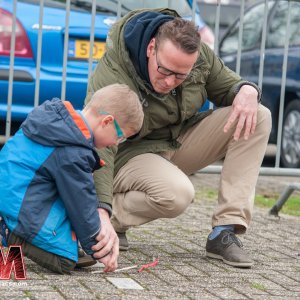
28	294
258	286
207	194
291	206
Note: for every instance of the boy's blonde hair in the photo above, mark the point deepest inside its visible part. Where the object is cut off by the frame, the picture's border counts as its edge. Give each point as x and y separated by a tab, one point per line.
121	102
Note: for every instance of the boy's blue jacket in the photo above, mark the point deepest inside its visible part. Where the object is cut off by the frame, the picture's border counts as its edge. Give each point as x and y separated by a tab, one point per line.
46	183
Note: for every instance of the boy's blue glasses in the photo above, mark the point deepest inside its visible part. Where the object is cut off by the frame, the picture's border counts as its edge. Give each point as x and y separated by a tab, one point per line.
120	135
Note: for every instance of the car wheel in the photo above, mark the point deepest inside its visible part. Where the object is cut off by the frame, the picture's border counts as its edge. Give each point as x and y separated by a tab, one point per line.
290	144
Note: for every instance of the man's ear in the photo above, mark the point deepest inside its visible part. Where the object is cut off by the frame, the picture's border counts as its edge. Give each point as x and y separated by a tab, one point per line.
107	120
151	47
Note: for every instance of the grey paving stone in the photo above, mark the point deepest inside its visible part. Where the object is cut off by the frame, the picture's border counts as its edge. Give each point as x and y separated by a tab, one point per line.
174	297
201	295
15	297
227	293
270	297
186	270
46	296
250	289
75	292
12	295
148	278
166	294
33	275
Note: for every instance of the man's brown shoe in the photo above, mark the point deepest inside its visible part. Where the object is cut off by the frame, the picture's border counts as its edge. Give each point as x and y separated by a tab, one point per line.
227	247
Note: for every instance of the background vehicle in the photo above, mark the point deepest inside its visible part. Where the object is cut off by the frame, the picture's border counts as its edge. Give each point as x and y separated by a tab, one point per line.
52	52
229	11
273	61
52	47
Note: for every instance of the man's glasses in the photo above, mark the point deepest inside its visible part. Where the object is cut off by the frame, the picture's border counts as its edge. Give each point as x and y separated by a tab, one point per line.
166	72
120	135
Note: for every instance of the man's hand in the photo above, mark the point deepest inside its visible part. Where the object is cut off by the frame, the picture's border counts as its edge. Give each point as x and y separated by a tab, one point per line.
107	248
244	110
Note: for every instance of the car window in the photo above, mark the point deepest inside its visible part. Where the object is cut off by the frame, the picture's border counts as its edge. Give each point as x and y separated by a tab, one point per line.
277	29
253	22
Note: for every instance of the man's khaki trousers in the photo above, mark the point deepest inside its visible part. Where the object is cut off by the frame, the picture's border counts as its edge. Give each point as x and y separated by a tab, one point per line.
152	186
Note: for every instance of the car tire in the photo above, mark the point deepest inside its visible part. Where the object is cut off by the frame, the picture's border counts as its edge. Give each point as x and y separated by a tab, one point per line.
290	143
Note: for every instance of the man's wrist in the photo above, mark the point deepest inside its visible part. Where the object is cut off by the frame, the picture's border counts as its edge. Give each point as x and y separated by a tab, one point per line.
106	207
243	83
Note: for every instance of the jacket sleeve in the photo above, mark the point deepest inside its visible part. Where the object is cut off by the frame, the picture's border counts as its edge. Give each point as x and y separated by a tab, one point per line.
72	172
103	177
222	84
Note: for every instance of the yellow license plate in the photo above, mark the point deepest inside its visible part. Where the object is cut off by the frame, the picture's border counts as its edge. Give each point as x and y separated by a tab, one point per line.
82	49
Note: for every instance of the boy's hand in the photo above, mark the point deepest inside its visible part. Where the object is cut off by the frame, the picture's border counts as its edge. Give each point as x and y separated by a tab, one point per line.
107	248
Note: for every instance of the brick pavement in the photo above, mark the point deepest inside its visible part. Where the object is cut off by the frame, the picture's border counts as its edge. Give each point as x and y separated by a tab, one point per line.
183	271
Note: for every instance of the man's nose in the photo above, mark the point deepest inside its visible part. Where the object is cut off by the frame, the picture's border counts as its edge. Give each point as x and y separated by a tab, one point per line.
170	80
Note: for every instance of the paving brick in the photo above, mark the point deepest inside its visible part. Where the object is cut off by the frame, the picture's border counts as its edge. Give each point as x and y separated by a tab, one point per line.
228	293
47	296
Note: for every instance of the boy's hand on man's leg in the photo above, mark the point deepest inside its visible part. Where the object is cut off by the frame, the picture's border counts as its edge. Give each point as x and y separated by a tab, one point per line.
107	248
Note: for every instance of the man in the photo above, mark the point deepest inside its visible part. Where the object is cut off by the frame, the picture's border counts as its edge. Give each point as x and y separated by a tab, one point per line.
160	57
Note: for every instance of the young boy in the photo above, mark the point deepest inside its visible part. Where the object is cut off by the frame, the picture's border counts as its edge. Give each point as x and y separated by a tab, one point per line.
48	198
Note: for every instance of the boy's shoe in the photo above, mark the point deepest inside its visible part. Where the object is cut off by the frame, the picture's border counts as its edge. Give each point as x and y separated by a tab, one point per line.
81	252
227	247
84	260
123	242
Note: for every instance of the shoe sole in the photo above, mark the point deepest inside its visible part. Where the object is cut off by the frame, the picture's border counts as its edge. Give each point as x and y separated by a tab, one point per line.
231	263
123	248
85	262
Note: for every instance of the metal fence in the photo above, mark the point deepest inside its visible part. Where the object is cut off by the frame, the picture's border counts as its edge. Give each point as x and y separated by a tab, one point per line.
263	171
211	169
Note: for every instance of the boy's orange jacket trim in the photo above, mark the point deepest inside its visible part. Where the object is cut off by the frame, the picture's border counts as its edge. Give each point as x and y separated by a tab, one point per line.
78	120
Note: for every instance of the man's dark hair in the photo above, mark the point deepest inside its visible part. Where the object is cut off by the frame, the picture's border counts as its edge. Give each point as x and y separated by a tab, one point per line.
182	33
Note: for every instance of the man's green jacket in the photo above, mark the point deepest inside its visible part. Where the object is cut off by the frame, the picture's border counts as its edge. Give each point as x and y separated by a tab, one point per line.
166	116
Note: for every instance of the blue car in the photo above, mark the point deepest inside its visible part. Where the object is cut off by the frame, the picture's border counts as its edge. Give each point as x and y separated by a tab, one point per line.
273	63
51	70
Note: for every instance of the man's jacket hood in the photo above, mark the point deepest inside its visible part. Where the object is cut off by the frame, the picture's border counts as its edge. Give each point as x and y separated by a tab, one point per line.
137	34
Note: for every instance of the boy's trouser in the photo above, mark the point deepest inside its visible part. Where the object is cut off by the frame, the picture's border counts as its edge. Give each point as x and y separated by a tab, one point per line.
45	259
151	186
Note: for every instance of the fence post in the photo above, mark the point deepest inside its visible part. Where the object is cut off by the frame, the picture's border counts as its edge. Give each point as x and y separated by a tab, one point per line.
39	55
11	72
65	55
240	43
282	91
91	42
